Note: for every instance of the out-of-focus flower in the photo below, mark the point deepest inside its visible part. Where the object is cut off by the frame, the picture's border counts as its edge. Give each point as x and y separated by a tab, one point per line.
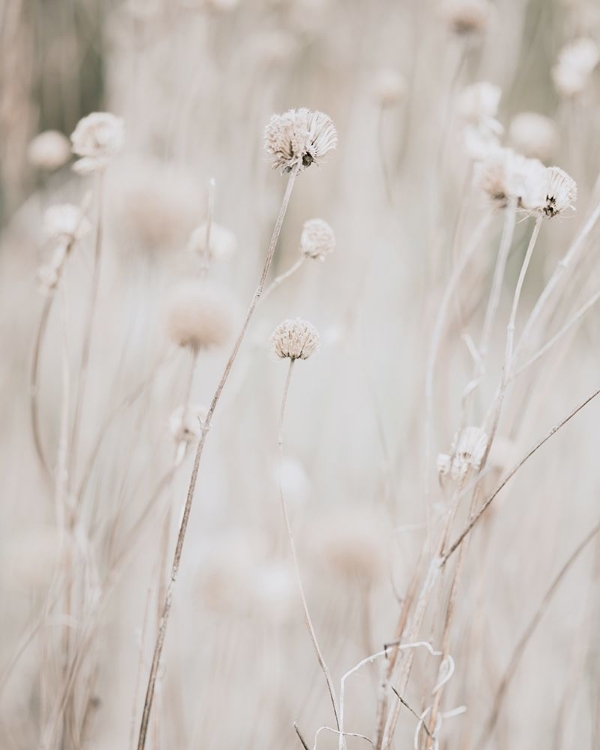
186	422
317	239
65	223
199	315
295	339
49	150
97	138
298	138
389	87
506	174
576	62
477	108
466	17
221	245
533	135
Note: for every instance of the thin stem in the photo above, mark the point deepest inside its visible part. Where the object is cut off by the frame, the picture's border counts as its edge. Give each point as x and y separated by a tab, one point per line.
288	526
160	639
34	386
527	635
382	156
511	474
89	325
279	279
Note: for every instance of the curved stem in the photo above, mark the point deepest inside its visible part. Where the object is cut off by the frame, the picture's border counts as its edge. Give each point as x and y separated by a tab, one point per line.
279	279
34	386
162	630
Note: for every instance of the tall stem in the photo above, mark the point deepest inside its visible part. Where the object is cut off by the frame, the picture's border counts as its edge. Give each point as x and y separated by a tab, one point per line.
162	630
288	526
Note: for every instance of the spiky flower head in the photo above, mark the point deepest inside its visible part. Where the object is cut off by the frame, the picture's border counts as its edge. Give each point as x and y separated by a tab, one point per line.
560	193
295	339
298	138
186	423
49	150
506	175
199	315
221	244
317	239
576	62
97	138
533	135
65	223
468	449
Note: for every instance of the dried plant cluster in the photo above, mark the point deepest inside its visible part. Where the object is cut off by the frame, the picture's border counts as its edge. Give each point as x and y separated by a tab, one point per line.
253	500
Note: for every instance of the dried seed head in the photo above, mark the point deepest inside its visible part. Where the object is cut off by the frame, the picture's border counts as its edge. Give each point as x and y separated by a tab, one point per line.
466	16
576	62
295	339
533	135
186	423
97	138
505	174
468	450
389	87
317	239
560	194
65	223
199	315
222	243
49	150
299	138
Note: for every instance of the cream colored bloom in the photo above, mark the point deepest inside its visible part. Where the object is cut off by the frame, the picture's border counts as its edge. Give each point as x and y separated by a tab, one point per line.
295	339
576	62
49	150
317	239
506	174
199	315
97	138
299	138
222	243
533	135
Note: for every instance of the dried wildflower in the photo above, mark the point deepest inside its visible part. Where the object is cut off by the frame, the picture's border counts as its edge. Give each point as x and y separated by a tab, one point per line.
65	223
199	315
317	239
560	194
576	62
389	87
49	150
466	16
533	135
468	449
186	423
222	242
299	138
97	138
506	174
295	339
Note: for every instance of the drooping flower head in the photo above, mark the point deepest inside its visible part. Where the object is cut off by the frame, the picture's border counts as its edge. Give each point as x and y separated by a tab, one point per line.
299	138
295	339
317	239
97	138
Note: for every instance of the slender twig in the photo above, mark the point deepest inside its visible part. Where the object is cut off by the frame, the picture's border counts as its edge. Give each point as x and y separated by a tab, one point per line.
511	474
527	635
34	386
279	279
412	710
158	648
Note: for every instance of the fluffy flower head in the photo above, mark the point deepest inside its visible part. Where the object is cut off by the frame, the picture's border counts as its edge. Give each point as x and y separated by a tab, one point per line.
222	243
576	61
317	239
506	174
533	135
49	150
299	138
199	315
97	138
295	339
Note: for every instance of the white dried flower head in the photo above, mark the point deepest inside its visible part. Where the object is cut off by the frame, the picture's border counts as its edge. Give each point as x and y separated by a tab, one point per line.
560	193
389	87
466	16
478	103
299	138
49	150
222	243
468	449
199	315
480	143
317	239
506	174
186	423
533	135
97	138
576	62
65	223
295	339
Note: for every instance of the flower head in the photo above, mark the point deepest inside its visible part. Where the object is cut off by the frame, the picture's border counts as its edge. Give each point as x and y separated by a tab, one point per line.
478	103
468	449
576	62
295	339
65	223
389	87
505	174
221	244
97	138
199	315
466	16
49	150
533	135
186	423
317	239
560	194
299	138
